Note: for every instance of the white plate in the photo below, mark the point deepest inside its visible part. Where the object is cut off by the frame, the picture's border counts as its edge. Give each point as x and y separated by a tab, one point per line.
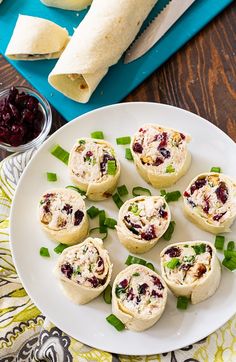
176	329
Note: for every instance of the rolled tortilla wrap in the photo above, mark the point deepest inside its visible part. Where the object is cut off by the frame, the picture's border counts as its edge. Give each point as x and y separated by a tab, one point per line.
67	4
36	39
84	270
139	297
142	221
63	217
160	154
104	34
210	202
90	164
191	269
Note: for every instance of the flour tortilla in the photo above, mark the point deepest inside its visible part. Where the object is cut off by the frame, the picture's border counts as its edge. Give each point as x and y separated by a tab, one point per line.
67	4
105	33
35	39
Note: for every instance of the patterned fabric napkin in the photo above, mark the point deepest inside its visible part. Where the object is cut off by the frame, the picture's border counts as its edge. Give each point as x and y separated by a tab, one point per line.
26	335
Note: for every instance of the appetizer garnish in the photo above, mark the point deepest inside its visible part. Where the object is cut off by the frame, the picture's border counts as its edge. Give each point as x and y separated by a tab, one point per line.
36	38
142	221
84	270
160	154
138	297
210	202
191	269
59	152
94	168
63	217
51	176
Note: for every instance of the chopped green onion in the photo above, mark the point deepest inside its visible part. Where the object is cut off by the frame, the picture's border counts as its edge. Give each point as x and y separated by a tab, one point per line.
162	192
97	233
115	322
102	218
110	223
171	196
59	248
123	140
117	200
216	169
135	260
136	274
81	142
230	253
122	190
173	263
219	242
128	154
93	212
150	266
199	248
230	245
170	169
182	302
51	177
98	135
81	192
111	167
44	251
141	191
60	153
230	263
107	294
167	235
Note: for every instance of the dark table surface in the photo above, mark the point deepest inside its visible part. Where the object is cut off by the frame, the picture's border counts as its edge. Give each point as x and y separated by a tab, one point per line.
200	78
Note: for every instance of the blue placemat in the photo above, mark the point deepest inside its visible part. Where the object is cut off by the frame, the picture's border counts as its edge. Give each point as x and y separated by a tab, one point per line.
121	79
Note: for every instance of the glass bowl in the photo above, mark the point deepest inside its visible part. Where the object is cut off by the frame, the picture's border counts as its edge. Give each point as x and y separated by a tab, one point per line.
46	121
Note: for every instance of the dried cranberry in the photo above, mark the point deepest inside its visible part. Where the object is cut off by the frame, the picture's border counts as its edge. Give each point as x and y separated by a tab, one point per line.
165	153
207	205
130	294
12	95
32	103
158	161
46	208
162	137
78	217
67	270
4	134
157	282
156	294
138	299
186	194
14	111
149	234
100	264
209	249
94	281
173	252
198	184
222	192
143	288
163	213
89	154
135	226
182	136
124	283
137	147
185	267
27	116
67	208
218	216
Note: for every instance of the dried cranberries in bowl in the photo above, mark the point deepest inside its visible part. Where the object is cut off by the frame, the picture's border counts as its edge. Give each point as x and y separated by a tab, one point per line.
24	116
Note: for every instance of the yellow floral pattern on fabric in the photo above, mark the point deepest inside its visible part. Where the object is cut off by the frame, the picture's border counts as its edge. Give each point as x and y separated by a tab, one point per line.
26	336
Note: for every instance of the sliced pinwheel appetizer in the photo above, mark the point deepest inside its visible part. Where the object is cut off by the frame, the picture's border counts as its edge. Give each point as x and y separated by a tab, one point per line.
210	202
142	221
63	217
84	270
160	154
139	297
191	269
94	168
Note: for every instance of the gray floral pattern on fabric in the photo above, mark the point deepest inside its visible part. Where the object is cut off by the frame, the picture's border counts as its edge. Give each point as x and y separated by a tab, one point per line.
53	346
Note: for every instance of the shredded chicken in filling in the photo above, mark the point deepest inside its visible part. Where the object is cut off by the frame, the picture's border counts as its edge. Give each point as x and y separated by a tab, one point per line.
211	198
90	161
59	211
146	219
164	149
187	264
85	266
140	292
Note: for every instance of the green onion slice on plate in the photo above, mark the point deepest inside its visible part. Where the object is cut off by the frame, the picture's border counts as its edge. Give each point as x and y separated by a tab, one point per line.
122	190
97	233
44	252
60	153
59	248
123	140
76	189
117	200
115	322
97	135
107	296
51	177
128	154
93	212
141	191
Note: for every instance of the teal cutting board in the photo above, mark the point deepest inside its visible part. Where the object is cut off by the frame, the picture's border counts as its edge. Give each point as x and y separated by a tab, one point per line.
121	79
